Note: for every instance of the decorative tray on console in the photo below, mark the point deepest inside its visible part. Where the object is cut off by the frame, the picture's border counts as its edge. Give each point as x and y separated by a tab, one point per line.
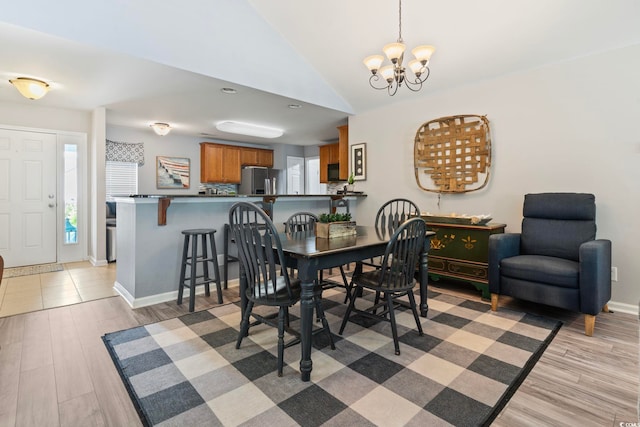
462	219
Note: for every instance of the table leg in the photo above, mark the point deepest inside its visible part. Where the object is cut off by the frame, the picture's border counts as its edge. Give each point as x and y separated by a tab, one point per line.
307	275
424	278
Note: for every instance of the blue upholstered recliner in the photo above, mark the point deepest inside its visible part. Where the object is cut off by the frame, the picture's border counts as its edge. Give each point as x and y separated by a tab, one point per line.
556	259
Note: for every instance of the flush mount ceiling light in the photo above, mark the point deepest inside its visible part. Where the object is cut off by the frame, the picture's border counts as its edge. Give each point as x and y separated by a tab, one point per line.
395	74
249	129
161	128
30	88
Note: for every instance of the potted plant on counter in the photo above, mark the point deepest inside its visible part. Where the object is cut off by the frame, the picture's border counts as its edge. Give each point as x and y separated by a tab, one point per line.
350	183
335	225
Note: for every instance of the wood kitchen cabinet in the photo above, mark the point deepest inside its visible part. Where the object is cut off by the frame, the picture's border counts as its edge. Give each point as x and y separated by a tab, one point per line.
256	157
219	163
265	158
324	161
336	153
343	151
249	156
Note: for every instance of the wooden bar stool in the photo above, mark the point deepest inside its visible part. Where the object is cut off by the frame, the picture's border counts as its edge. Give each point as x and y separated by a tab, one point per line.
194	257
227	257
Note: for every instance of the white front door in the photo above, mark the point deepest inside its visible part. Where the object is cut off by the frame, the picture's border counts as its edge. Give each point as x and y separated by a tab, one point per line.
27	197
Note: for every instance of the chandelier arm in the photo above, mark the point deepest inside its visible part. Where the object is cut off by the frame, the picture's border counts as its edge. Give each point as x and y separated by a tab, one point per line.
375	78
392	89
417	83
411	85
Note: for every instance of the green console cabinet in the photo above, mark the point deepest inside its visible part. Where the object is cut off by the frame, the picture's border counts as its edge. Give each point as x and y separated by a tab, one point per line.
461	252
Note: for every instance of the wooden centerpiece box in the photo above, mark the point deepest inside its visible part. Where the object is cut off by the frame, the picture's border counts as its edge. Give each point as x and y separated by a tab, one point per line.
335	225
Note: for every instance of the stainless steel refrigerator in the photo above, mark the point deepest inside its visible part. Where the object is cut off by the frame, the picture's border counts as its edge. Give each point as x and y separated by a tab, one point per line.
258	180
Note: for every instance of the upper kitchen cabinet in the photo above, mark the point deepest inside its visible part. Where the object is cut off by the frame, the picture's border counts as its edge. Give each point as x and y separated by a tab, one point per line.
343	151
335	155
219	163
265	158
256	157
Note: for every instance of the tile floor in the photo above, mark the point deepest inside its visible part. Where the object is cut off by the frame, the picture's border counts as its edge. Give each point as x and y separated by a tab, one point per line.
78	282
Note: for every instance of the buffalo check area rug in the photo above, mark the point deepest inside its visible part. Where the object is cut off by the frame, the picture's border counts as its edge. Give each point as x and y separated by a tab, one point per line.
186	371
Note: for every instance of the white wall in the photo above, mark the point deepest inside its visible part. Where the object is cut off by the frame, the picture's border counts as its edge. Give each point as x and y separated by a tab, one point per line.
172	145
571	126
30	114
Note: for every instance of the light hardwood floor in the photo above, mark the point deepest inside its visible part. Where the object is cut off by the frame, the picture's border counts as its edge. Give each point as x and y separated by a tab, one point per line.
55	370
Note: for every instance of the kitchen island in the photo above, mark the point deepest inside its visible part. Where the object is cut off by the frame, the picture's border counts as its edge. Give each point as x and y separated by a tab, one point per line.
149	238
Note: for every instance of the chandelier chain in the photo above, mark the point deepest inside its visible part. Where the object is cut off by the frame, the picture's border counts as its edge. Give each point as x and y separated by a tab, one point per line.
400	21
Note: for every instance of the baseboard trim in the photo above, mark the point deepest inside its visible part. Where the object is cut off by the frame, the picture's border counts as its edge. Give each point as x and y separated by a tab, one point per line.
98	263
159	298
624	308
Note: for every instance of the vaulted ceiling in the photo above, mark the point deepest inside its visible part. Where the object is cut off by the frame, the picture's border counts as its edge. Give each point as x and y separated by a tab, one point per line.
167	60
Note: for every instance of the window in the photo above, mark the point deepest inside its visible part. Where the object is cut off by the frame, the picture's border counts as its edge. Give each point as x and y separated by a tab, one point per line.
122	179
70	194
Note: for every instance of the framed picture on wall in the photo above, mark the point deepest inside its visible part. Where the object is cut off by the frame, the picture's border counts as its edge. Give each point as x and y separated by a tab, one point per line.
172	172
359	161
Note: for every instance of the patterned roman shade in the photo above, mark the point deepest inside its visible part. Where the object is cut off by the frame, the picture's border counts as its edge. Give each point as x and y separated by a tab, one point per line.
125	152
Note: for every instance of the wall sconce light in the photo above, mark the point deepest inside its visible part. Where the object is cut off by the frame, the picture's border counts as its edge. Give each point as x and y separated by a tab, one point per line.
161	128
30	88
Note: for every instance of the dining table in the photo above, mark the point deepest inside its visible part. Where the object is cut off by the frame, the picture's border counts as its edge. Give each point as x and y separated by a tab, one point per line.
310	254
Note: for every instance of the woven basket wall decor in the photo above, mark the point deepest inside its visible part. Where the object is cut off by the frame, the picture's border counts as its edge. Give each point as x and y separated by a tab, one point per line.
453	154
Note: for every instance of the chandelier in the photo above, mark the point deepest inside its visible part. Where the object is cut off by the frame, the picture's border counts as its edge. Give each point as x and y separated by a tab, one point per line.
395	75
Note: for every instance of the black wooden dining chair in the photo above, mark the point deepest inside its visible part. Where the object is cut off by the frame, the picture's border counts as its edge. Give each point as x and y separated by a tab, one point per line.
389	217
394	278
305	221
300	221
267	207
267	280
393	213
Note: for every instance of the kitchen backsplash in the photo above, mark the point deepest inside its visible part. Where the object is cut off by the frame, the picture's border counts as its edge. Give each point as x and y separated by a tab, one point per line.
332	188
218	189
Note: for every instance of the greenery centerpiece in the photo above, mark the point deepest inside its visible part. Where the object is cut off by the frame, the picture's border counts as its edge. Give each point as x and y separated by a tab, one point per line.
335	225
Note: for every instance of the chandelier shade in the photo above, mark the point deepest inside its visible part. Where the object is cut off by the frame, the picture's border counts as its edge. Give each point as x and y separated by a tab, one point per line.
373	62
30	88
394	51
423	53
391	77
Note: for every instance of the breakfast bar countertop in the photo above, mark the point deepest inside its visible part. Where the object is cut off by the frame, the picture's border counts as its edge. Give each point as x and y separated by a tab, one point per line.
149	233
227	196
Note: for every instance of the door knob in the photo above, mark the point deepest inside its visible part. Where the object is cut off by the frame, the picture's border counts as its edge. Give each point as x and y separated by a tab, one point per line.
52	205
51	196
